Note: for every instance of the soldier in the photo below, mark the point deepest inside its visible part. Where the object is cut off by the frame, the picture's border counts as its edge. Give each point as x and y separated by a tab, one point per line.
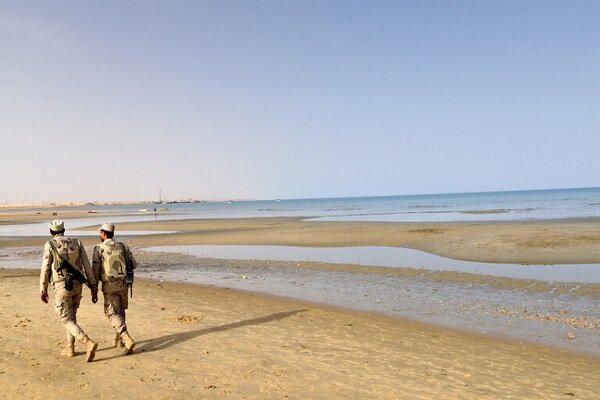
111	262
67	284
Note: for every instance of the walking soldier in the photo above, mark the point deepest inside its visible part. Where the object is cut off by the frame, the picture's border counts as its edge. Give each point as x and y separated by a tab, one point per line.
66	264
113	264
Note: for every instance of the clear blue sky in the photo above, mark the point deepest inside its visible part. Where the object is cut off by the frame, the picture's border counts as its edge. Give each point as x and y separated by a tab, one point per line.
110	100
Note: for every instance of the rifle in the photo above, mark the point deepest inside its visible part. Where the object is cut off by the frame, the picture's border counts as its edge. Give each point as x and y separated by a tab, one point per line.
71	271
128	269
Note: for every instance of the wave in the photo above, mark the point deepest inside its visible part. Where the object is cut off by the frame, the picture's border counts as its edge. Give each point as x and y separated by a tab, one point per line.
496	211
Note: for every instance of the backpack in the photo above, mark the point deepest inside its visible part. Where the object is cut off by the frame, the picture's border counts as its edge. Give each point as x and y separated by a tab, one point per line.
114	265
66	255
66	249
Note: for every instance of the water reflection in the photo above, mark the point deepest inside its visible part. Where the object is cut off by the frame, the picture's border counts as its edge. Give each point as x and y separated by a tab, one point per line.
393	257
73	224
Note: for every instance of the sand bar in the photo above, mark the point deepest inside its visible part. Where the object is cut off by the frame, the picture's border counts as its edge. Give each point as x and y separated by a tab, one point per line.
560	241
534	242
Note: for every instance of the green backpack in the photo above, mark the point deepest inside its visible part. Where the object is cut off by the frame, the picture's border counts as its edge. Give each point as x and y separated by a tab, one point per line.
114	264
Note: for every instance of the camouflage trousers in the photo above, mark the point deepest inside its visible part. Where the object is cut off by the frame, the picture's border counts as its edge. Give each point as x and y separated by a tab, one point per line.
66	304
115	304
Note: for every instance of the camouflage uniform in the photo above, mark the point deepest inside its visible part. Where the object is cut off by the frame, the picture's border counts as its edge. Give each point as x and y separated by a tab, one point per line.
114	289
66	302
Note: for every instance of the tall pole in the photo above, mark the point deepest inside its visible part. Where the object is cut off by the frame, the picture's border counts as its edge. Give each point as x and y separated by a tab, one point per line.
159	196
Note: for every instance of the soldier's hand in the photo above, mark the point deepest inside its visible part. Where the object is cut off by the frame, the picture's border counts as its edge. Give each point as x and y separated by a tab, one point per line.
44	297
94	296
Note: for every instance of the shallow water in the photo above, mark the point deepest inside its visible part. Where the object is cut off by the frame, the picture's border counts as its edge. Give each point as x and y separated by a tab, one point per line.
391	257
72	225
21	257
543	317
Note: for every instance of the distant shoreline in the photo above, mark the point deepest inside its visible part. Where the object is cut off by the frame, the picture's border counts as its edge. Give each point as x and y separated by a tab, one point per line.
555	204
49	206
9	206
20	206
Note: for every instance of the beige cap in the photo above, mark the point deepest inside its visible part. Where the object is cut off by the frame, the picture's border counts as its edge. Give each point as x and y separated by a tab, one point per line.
56	225
107	228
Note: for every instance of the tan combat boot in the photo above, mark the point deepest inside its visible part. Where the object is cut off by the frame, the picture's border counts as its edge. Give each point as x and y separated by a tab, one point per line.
69	349
127	342
90	347
118	341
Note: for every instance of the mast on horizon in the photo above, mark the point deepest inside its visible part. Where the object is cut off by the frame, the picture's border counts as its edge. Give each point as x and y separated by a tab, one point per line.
159	196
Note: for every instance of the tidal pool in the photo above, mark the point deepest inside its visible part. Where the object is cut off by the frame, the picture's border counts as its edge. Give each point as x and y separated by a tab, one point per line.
393	257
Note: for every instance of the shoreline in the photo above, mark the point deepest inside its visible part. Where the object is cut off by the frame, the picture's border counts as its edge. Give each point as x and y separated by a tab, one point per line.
332	308
497	306
483	304
67	205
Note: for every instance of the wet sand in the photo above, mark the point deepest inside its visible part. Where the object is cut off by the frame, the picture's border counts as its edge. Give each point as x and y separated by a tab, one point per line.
553	242
523	242
196	341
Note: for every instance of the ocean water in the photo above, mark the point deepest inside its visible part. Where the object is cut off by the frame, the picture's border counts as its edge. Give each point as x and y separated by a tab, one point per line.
485	206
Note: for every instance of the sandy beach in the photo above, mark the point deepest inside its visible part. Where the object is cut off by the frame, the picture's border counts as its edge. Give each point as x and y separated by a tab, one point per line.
208	342
204	342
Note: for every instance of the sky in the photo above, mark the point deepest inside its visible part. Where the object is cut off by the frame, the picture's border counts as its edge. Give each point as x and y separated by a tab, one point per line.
112	100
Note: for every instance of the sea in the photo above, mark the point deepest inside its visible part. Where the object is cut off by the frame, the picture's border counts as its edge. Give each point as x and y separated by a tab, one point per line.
482	206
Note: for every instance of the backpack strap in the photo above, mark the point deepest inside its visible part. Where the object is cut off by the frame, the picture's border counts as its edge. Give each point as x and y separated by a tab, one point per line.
53	246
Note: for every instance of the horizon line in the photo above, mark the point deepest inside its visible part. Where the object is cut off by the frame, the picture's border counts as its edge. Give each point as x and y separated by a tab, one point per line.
221	200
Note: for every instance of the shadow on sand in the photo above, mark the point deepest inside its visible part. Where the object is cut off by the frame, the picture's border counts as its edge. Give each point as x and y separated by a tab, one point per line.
166	341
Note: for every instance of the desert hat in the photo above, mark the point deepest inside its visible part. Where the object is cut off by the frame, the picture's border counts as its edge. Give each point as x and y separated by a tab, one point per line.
107	228
57	225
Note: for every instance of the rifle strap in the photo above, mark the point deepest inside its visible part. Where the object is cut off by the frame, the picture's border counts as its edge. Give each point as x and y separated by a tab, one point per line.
51	242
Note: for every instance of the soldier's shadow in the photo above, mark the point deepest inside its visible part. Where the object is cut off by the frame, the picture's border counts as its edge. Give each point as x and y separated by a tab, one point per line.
163	342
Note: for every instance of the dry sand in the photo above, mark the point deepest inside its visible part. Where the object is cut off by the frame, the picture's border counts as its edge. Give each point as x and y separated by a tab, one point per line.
201	342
